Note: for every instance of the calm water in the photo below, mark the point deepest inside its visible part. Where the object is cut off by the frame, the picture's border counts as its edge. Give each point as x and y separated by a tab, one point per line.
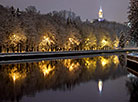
97	79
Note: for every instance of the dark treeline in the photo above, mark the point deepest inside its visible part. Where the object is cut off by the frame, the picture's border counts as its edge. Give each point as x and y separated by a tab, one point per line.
29	30
133	20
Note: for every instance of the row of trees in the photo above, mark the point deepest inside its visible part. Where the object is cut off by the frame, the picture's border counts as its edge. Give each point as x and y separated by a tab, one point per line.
29	30
133	20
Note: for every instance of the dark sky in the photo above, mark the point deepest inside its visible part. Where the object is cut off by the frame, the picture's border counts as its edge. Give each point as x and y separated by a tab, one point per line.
115	10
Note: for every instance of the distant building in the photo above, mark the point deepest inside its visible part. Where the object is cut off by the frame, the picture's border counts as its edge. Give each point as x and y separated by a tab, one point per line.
101	17
100	14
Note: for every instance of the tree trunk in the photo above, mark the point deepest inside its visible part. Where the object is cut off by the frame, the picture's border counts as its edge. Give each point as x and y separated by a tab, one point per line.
7	50
26	48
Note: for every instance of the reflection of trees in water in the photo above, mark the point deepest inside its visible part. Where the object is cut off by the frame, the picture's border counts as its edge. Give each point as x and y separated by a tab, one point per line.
104	68
18	80
123	61
132	85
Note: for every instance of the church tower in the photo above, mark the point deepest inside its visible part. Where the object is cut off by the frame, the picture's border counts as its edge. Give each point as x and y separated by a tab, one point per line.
100	14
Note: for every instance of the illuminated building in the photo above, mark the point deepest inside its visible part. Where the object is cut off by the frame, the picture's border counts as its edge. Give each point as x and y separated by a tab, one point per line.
100	14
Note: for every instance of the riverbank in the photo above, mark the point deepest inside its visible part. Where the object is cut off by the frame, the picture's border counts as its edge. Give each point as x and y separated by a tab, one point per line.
37	55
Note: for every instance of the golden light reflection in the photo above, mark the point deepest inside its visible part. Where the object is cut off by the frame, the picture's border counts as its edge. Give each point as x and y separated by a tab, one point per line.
104	61
16	75
71	65
46	67
115	60
108	61
47	70
90	63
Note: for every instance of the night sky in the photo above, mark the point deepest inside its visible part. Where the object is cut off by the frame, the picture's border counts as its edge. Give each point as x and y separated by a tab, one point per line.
114	10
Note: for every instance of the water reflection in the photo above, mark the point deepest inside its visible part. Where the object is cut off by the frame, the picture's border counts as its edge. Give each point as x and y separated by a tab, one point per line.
71	64
100	85
16	75
61	74
46	67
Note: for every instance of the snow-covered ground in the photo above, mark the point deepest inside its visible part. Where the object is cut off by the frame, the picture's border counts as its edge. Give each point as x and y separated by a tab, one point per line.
133	54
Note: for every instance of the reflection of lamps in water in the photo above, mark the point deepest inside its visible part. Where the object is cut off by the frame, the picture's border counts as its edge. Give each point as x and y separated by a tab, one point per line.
90	63
46	70
71	65
100	85
116	60
15	76
46	67
104	61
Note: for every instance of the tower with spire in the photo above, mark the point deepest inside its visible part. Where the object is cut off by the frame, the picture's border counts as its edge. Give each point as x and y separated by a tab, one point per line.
101	17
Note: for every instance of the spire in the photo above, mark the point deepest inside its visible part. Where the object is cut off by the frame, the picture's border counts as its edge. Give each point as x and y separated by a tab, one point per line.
100	13
101	18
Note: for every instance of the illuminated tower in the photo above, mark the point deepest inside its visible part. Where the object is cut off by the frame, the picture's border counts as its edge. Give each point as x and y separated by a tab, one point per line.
101	18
